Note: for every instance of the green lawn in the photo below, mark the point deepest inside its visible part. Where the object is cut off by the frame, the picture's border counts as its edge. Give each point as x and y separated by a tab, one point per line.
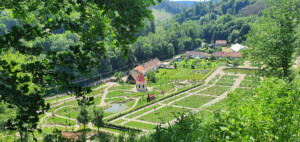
142	111
252	78
114	100
180	74
115	94
97	100
194	101
248	83
230	76
96	92
225	82
242	71
174	98
215	90
130	104
61	121
51	101
198	88
119	121
122	87
164	114
140	125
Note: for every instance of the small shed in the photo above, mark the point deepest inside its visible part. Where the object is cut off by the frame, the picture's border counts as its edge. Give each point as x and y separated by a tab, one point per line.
151	97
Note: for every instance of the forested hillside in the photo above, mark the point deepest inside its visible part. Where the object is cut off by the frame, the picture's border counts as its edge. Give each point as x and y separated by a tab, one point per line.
205	22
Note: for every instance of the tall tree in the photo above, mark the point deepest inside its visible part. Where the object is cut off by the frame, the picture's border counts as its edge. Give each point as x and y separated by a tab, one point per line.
23	83
272	39
83	116
98	117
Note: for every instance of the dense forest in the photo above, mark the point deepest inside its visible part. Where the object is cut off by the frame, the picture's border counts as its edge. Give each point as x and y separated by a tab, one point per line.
204	22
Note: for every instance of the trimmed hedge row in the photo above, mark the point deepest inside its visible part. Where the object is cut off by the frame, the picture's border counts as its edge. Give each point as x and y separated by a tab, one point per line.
182	90
121	127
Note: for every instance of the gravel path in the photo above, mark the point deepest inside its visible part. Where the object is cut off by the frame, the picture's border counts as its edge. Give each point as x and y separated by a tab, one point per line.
218	71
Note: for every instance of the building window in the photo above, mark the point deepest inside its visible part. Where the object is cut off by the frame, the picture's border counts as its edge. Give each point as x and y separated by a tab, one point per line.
139	86
143	86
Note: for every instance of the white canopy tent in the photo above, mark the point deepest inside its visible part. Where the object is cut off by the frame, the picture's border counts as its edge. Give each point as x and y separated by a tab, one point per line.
237	47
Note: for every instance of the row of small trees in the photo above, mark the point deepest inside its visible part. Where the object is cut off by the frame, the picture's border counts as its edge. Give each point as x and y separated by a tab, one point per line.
97	117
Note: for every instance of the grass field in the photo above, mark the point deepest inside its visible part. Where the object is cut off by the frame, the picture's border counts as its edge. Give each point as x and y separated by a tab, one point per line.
51	101
61	121
130	104
230	76
140	125
115	94
180	74
248	83
119	121
198	88
164	114
142	111
241	71
174	98
114	100
225	82
194	101
97	100
124	86
215	90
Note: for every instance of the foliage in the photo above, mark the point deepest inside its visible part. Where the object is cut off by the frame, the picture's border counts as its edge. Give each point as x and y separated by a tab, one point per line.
119	76
83	116
151	77
236	61
24	82
272	48
56	136
97	119
270	113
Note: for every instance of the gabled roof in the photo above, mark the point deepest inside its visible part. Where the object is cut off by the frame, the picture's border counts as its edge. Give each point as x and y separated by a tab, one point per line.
148	65
230	54
151	96
141	79
134	75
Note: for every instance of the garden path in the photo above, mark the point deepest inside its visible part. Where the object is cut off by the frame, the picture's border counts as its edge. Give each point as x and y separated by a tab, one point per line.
217	98
110	84
218	71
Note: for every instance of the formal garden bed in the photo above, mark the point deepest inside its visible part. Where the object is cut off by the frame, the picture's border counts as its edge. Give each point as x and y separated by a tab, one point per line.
163	115
215	90
193	101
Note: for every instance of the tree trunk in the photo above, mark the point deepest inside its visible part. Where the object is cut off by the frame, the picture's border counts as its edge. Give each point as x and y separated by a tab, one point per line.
21	135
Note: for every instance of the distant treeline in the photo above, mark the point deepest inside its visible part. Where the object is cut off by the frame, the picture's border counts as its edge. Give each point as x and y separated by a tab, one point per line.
205	22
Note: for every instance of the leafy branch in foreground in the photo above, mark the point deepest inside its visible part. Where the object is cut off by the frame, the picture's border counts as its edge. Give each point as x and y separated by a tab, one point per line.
24	82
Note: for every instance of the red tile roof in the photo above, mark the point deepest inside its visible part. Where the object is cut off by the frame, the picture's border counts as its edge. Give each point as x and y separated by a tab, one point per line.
148	65
230	54
141	79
